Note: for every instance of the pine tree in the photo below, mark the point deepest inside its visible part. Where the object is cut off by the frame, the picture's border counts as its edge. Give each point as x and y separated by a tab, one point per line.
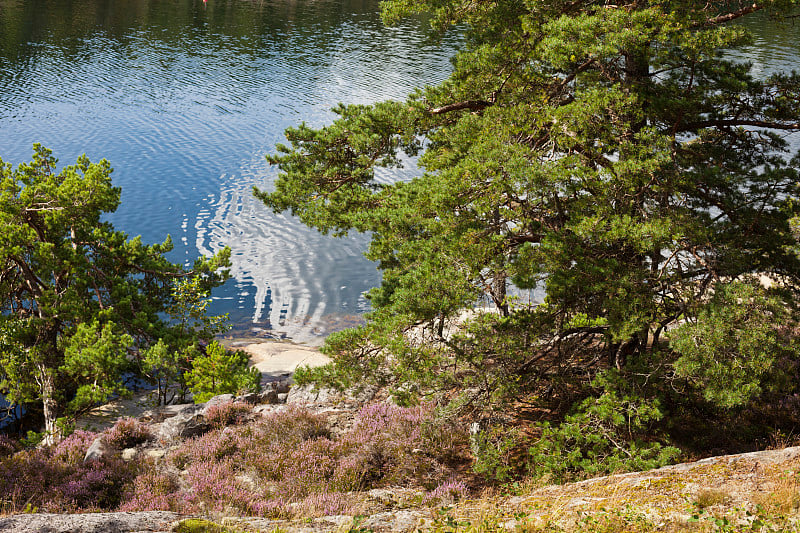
79	300
615	156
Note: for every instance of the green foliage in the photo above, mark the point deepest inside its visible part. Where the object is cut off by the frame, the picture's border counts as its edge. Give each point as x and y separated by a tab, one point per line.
166	367
32	439
79	299
493	451
219	371
737	345
95	358
616	157
603	436
201	525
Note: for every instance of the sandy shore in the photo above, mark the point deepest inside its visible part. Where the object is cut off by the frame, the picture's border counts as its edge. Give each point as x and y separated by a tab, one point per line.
274	359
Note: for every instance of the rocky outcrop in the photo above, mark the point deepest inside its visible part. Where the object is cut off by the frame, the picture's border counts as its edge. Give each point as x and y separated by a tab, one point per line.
171	424
316	398
188	422
400	521
151	521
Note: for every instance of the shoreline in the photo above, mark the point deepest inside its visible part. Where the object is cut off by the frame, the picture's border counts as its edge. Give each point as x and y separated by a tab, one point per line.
275	359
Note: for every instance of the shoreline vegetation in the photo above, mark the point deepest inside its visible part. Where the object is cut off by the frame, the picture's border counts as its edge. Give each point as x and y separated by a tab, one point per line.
213	478
612	156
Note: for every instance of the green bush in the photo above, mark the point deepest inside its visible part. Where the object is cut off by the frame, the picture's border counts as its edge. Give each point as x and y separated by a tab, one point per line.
740	345
603	436
220	371
493	450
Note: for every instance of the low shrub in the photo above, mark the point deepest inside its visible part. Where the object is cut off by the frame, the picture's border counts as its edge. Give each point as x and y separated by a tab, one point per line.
126	433
603	436
56	479
289	463
447	493
8	446
228	413
151	491
493	449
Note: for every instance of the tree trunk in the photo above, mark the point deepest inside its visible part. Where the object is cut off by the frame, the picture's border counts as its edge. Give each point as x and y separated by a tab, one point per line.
498	293
50	406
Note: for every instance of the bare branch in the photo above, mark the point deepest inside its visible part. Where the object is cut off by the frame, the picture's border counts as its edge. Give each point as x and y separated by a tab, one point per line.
583	66
722	19
472	105
723	123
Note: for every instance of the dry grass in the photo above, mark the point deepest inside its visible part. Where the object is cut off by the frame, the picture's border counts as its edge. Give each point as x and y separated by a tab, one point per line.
752	492
710	497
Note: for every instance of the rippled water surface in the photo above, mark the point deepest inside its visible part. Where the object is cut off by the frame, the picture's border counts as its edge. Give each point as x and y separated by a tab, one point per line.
185	98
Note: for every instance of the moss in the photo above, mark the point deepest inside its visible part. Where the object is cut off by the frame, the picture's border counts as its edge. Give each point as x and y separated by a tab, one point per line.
200	525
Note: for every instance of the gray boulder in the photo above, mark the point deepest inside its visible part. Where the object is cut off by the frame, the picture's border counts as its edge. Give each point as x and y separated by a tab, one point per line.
216	400
309	396
97	450
188	422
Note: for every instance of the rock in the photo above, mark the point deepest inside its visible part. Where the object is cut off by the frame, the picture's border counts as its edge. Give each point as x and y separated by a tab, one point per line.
281	387
268	409
152	521
251	398
395	521
189	422
266	524
339	420
216	400
397	497
163	412
278	360
268	396
128	454
97	450
282	397
309	396
341	522
155	454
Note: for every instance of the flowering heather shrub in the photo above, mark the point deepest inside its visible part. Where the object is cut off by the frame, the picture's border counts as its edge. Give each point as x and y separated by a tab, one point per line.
289	464
73	449
327	503
151	491
228	413
57	480
218	486
8	446
400	445
447	492
295	425
126	433
216	445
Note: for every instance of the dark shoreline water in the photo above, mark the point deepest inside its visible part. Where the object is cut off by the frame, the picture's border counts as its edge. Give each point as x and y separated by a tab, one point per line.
185	98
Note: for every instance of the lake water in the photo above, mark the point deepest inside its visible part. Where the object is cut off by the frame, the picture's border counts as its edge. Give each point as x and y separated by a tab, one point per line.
185	98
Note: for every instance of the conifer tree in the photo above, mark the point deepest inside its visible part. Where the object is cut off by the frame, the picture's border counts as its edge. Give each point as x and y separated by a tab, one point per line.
78	299
615	156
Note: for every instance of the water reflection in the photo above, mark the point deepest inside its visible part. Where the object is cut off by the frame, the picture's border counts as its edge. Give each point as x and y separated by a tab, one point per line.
185	99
